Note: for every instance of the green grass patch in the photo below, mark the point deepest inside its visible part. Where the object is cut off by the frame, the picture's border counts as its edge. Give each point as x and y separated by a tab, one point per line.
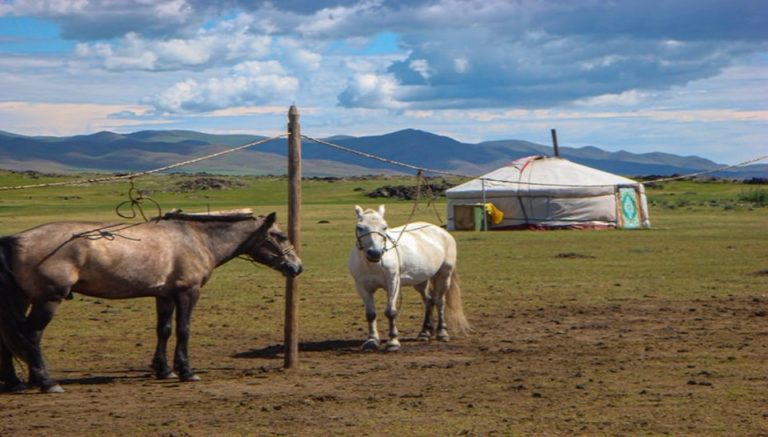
757	196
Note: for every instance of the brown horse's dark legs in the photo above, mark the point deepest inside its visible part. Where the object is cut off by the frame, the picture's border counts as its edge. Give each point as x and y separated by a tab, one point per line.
38	319
185	303
165	308
8	377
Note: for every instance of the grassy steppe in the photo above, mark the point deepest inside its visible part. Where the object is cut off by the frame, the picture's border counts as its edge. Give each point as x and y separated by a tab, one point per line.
706	249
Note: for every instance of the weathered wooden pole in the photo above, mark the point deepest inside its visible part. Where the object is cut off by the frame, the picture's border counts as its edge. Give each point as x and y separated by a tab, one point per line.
554	143
294	234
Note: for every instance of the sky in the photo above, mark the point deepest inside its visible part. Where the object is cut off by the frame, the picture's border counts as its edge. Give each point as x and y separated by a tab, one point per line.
688	77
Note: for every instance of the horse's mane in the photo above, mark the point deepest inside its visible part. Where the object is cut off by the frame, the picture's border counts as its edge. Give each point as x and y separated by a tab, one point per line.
232	215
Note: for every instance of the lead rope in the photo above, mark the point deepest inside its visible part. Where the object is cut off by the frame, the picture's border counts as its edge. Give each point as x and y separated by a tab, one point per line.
419	180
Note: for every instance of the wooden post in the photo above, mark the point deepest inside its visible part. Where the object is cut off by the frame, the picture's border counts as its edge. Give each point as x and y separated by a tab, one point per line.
294	234
554	143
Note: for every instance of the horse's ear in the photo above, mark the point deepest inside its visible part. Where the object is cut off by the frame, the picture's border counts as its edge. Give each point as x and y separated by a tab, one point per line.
270	220
381	211
359	212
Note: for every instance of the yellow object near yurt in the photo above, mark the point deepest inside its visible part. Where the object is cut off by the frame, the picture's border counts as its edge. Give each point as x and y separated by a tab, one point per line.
494	213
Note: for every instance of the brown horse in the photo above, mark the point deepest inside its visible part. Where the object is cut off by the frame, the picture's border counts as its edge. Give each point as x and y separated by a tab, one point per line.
169	258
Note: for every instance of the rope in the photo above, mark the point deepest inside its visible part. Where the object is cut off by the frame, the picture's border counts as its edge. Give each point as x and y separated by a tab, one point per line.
135	199
690	175
143	173
355	152
421	181
109	232
434	171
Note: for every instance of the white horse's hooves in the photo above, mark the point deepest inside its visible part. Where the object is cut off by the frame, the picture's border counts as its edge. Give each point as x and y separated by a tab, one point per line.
169	375
443	336
370	345
424	337
393	347
56	388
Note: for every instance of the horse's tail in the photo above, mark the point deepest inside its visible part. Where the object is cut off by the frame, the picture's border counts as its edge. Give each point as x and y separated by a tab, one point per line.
454	311
12	302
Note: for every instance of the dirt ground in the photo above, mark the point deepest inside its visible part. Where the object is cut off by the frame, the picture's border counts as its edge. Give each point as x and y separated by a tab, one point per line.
640	366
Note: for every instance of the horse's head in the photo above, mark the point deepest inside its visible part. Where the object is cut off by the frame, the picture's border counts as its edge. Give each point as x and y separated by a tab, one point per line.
272	248
371	233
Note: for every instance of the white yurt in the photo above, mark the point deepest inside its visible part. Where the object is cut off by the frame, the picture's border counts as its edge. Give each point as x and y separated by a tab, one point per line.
545	192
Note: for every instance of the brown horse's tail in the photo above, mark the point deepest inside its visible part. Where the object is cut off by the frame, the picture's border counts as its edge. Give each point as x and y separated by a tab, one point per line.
12	302
454	311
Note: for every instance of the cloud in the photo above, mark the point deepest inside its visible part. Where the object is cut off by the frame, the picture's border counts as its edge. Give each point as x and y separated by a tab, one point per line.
68	118
227	42
458	53
480	68
104	19
535	54
248	83
371	91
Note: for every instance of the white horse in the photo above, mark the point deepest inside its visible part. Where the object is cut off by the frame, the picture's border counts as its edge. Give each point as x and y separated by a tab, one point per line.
419	254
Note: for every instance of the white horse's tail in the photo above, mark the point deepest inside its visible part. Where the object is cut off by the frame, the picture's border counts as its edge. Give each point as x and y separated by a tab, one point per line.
454	311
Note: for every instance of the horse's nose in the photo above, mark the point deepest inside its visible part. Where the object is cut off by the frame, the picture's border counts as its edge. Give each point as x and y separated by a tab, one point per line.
292	270
373	254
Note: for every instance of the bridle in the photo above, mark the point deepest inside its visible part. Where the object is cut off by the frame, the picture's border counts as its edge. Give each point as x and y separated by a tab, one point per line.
278	260
384	235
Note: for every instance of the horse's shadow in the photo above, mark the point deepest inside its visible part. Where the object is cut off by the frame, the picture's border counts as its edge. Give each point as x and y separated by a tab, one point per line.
277	350
103	379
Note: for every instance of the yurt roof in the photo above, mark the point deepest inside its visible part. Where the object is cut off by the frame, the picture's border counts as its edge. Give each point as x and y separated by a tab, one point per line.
542	175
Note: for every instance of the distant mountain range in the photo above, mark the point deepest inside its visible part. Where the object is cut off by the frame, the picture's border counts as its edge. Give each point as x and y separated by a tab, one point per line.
112	152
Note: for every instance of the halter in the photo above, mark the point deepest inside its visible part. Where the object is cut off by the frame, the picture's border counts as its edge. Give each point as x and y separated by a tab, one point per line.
278	260
386	237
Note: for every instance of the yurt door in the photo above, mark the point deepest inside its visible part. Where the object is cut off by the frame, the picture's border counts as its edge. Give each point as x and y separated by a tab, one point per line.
629	208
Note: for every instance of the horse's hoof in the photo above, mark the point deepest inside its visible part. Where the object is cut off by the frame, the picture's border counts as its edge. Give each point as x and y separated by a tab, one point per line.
167	375
370	345
55	388
424	336
189	378
20	386
443	336
393	347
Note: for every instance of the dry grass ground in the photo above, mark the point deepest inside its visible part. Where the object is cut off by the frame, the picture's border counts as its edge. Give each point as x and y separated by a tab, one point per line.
608	332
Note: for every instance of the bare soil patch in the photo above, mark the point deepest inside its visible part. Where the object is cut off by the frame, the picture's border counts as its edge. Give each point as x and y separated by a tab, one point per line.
639	366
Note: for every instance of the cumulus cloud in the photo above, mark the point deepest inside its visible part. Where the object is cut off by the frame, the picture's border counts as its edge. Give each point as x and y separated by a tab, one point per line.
533	54
249	83
227	42
104	19
453	53
369	90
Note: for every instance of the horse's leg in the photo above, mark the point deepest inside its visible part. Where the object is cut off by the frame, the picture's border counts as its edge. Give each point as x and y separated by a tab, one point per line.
426	327
393	290
165	308
7	369
32	329
370	315
8	377
185	303
441	282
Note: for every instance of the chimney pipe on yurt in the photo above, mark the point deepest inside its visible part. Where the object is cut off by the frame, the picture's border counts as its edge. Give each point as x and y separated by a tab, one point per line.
554	143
